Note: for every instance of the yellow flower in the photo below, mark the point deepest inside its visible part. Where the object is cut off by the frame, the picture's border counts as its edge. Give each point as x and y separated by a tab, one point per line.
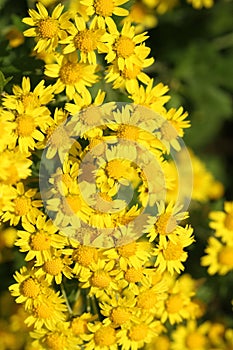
47	30
222	222
219	257
136	335
118	310
128	77
151	96
56	267
133	254
83	258
48	310
28	287
23	206
165	223
100	279
102	10
102	337
15	166
7	125
39	240
60	337
85	101
126	48
142	16
199	4
71	74
86	40
40	96
191	336
170	254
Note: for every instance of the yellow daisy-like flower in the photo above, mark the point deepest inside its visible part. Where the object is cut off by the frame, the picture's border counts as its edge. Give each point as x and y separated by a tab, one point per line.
165	224
118	310
102	337
138	334
133	254
56	267
39	240
71	74
47	30
85	101
40	96
126	48
219	257
59	338
28	287
128	77
100	279
102	10
83	258
85	40
23	207
191	336
151	96
48	310
15	166
30	125
71	206
170	254
142	16
222	222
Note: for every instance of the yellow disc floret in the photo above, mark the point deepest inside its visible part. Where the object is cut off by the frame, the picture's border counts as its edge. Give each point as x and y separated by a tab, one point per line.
53	267
124	47
40	241
70	73
104	7
47	28
30	288
26	125
22	205
105	336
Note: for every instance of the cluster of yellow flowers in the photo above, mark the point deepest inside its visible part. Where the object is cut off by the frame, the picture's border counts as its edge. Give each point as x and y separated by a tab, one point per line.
95	277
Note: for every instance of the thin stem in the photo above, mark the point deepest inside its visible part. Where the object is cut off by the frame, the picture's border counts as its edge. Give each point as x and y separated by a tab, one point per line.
66	299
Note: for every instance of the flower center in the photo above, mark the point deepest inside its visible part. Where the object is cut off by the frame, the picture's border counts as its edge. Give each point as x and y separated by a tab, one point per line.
40	241
165	224
133	275
53	267
225	257
104	7
43	311
131	73
86	40
128	132
127	250
79	326
195	340
48	28
55	341
100	279
105	336
228	222
30	288
58	137
22	205
26	125
173	251
70	73
124	47
117	169
174	304
119	316
138	332
30	100
85	255
147	300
